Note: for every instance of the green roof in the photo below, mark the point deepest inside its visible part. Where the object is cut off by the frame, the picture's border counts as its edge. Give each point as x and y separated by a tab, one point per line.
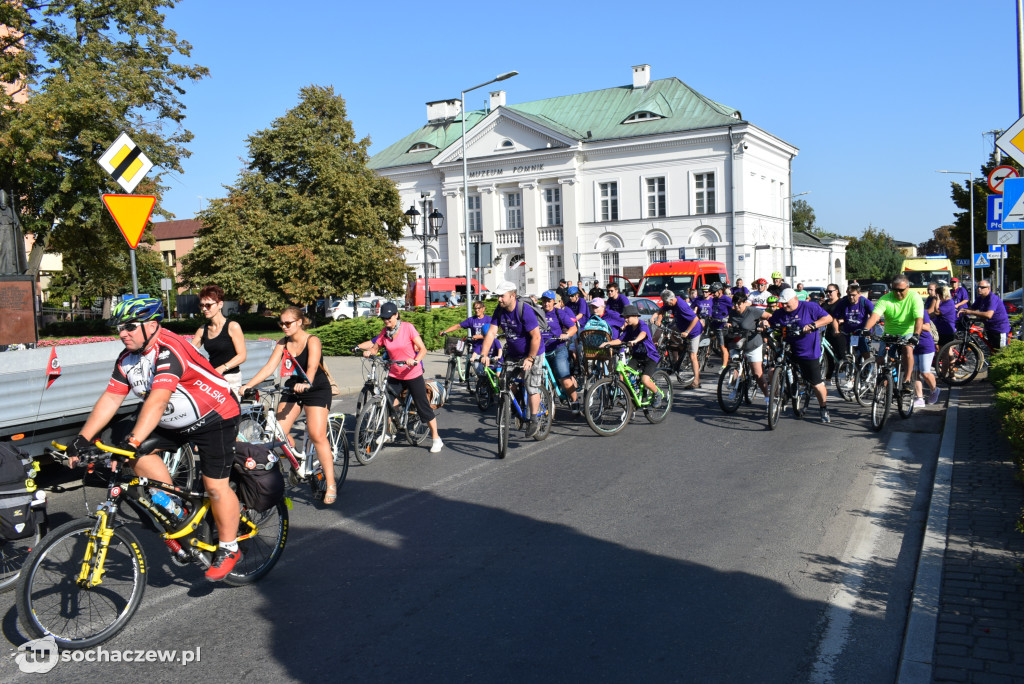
596	115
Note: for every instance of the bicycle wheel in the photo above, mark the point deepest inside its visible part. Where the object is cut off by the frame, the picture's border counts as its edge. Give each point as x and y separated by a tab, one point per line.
683	368
730	387
546	415
664	383
369	431
607	406
776	397
483	393
183	466
703	353
504	423
449	375
52	603
801	398
261	551
339	448
904	400
846	378
959	362
864	385
13	554
364	396
416	431
881	399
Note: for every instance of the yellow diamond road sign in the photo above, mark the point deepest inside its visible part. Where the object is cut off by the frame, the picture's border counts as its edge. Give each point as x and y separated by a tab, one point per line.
125	162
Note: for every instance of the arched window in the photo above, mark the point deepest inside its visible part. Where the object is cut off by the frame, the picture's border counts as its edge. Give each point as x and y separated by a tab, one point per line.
506	143
422	147
656	243
704	240
609	245
641	116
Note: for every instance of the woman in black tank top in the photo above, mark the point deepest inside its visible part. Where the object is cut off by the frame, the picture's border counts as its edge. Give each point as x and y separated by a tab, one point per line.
221	339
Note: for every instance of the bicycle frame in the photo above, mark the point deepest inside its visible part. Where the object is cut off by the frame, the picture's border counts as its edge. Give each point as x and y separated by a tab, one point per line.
631	377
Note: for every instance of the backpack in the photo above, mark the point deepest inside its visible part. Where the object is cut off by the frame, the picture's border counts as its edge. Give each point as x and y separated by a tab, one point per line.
597	323
17	519
257	476
542	320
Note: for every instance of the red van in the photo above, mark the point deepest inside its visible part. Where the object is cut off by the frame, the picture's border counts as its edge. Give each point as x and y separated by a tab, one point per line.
673	275
440	290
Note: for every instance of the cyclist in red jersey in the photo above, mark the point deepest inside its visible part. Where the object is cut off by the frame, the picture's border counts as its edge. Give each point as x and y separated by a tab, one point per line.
185	401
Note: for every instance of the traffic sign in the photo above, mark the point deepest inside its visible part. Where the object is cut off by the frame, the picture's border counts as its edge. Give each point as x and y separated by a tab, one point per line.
996	252
131	214
125	162
1013	204
980	261
1003	237
997	175
1012	142
963	262
995	212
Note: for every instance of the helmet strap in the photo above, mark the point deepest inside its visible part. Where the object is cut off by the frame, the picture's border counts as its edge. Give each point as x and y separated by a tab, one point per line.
146	338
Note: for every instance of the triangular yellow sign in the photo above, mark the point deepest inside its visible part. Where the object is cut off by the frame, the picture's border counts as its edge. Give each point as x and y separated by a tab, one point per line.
131	214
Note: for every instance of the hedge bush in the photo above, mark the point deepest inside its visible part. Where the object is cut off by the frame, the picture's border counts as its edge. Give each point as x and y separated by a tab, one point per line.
1006	372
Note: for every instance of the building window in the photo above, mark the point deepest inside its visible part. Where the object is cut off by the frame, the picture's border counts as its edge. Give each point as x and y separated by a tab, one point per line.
704	184
642	116
609	265
514	215
422	147
553	206
657	256
554	269
706	254
170	257
609	201
473	204
656	197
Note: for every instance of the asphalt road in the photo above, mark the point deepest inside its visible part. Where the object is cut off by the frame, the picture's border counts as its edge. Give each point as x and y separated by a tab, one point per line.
706	548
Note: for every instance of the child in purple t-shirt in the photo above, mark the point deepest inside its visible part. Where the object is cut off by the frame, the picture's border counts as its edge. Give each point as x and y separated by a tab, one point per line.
644	355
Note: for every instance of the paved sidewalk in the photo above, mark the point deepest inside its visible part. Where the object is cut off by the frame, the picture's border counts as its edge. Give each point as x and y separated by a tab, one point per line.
980	629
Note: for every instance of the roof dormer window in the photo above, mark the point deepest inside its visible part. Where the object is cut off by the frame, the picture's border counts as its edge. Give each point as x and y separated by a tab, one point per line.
642	116
422	147
506	143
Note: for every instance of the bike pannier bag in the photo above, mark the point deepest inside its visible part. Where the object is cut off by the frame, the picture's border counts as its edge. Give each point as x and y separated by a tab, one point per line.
17	519
435	394
257	476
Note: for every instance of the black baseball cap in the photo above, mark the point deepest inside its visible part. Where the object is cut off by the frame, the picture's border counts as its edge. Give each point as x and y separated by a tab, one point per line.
388	310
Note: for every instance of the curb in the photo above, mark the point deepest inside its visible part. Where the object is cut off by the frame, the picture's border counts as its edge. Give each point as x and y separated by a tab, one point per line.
916	659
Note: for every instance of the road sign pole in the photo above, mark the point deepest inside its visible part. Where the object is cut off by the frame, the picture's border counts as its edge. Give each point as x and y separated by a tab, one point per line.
135	275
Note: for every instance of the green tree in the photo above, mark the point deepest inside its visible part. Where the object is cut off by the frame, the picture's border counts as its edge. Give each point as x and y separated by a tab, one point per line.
306	218
873	257
802	216
90	70
942	241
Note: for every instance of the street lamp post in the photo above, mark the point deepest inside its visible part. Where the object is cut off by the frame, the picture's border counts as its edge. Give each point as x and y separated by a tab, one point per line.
792	263
970	210
431	227
465	188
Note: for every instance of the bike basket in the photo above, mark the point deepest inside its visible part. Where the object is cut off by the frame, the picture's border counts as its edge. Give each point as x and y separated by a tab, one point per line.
592	340
454	345
17	519
257	476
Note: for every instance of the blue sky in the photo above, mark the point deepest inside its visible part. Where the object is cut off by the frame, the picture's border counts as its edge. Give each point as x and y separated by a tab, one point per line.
876	95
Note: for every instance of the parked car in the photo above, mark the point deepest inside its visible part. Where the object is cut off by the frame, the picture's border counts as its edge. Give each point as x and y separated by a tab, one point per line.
342	308
815	293
646	307
1012	302
876	290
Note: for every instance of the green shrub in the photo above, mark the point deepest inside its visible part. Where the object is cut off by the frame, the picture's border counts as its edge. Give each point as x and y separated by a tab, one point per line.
1008	362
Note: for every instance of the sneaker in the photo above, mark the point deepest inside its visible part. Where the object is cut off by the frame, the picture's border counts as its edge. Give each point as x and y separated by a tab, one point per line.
384	439
224	562
693	386
907	388
574	408
532	427
658	401
933	398
918	402
825	418
436	446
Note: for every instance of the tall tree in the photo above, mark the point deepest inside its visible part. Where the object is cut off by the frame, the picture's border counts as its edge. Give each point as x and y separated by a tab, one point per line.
873	256
802	216
942	241
306	219
90	70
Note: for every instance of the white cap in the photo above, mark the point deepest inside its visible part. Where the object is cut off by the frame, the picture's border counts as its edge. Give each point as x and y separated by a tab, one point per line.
787	294
503	287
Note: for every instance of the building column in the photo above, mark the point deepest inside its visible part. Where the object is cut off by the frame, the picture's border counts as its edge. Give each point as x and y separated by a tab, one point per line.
531	222
570	227
490	217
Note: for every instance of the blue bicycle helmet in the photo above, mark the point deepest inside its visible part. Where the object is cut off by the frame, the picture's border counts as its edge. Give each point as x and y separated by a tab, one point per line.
137	310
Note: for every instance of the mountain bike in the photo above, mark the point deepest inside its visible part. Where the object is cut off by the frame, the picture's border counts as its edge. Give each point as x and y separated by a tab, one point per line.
787	384
737	384
513	404
380	421
888	382
84	581
459	351
847	371
257	423
609	403
960	361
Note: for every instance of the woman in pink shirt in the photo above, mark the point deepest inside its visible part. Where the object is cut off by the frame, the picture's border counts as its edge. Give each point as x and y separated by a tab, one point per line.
403	343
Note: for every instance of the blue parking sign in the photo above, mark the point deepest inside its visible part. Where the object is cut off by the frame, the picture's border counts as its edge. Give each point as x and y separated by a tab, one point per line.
995	212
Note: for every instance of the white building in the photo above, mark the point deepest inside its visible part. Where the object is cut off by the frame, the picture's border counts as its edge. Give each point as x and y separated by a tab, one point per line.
589	185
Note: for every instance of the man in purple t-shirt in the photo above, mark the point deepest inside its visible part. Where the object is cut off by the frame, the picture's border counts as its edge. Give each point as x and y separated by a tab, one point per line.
739	289
687	323
806	348
522	341
960	296
720	307
616	301
562	327
990	307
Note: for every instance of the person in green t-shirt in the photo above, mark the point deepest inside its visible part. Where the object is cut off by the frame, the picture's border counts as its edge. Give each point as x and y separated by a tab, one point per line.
903	312
801	293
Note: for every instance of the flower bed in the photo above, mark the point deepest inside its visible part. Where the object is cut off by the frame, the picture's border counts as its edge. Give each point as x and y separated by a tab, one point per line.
64	341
